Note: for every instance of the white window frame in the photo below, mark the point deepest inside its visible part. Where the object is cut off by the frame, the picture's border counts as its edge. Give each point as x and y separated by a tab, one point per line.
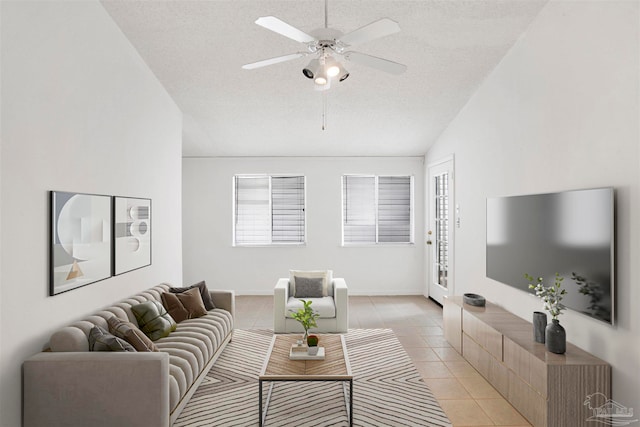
270	208
376	208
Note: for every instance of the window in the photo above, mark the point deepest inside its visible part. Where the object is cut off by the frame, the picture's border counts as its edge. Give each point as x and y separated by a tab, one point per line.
268	210
377	209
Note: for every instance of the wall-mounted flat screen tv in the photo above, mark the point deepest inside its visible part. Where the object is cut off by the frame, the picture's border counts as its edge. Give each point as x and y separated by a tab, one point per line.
570	233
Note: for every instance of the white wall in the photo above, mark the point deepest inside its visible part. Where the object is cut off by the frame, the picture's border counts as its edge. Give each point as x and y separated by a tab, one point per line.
207	228
560	112
80	112
1	121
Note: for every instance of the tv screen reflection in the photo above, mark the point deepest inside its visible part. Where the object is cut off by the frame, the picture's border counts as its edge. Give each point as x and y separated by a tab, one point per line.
570	233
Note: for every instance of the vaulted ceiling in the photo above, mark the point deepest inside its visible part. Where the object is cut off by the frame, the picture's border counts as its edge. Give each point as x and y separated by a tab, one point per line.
196	50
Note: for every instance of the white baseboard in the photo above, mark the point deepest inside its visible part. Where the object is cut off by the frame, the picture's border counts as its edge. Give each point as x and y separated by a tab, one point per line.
354	294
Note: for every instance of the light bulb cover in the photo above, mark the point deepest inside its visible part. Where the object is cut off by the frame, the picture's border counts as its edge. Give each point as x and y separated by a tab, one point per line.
325	86
321	77
312	69
332	66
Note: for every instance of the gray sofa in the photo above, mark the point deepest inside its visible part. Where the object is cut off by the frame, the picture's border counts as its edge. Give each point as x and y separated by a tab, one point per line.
72	386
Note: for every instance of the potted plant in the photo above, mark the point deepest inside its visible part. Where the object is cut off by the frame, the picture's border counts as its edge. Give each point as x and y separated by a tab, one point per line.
312	342
551	296
306	316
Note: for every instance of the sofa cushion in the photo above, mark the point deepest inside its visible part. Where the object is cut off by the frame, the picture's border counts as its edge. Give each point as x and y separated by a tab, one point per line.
324	306
101	340
153	319
131	334
191	347
204	293
184	305
326	275
309	287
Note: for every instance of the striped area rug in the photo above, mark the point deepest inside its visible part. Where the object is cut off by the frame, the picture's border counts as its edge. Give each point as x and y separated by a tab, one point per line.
388	390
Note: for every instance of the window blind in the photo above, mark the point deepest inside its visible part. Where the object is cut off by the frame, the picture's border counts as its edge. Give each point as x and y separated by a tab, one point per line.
359	206
269	210
287	223
394	209
252	219
377	209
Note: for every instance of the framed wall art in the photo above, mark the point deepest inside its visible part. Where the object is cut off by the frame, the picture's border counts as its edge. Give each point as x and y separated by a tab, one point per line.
132	233
80	236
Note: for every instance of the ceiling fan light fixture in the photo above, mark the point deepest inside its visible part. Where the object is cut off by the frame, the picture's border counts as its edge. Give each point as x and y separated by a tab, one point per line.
321	77
312	69
321	87
332	66
333	71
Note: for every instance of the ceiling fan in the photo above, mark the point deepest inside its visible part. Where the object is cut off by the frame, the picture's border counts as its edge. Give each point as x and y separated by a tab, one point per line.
325	44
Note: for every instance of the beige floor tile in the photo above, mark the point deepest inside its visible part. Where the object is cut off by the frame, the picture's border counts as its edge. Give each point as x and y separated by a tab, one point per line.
412	341
448	355
479	388
431	331
437	341
406	331
447	388
501	412
410	331
465	413
433	370
461	369
421	354
398	321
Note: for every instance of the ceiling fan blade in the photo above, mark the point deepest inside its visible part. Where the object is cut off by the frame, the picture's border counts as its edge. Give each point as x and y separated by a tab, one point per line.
375	62
278	26
272	61
375	30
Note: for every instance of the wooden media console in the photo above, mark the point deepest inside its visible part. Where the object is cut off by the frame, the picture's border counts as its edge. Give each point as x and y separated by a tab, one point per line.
546	388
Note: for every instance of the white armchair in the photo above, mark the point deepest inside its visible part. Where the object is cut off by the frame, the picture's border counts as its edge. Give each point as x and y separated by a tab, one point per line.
333	308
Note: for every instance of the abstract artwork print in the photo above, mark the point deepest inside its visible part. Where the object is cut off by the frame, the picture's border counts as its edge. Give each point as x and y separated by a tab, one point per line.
132	232
80	251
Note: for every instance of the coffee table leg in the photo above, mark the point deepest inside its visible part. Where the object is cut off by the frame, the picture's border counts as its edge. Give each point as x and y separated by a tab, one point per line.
348	400
263	416
260	403
351	403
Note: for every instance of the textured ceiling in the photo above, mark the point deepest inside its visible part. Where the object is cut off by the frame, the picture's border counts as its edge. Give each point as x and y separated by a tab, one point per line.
196	49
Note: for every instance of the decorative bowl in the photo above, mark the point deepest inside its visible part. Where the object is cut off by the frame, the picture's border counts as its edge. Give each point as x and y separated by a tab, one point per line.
474	299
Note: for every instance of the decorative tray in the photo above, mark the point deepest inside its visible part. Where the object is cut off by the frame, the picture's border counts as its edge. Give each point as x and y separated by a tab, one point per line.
299	355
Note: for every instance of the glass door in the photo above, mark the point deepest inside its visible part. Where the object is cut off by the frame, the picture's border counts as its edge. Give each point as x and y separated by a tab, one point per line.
439	237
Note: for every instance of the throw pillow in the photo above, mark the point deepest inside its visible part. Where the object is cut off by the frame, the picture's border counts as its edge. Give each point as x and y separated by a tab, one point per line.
131	334
101	340
153	319
204	293
185	305
308	287
323	274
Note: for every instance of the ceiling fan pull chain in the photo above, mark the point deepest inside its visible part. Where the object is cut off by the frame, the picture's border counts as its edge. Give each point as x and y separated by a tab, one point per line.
324	110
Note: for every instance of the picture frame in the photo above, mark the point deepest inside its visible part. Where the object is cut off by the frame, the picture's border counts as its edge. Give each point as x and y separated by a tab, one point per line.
132	230
80	240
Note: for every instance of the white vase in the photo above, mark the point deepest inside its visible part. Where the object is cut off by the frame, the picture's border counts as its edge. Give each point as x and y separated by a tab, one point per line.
313	351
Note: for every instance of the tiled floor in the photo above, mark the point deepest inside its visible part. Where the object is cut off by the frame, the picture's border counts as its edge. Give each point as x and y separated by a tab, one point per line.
464	395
